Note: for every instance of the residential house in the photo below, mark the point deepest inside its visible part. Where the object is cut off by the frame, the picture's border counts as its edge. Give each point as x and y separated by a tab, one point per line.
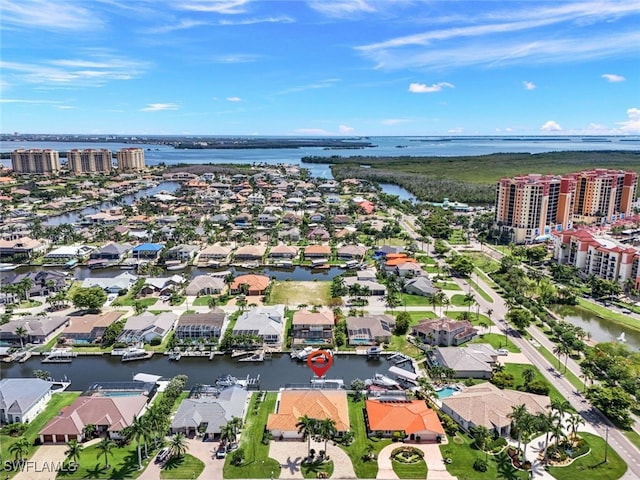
123	281
340	220
205	285
161	285
39	329
243	220
444	331
214	253
319	234
283	251
22	399
266	219
316	217
110	415
200	325
21	246
349	252
147	251
370	329
292	234
413	417
43	282
88	328
420	286
147	326
472	361
317	251
112	252
182	253
487	405
256	284
409	269
68	252
294	404
250	252
312	327
375	289
207	414
264	322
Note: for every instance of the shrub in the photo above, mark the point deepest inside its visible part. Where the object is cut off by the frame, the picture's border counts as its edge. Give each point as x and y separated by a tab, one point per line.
237	457
155	341
480	465
14	429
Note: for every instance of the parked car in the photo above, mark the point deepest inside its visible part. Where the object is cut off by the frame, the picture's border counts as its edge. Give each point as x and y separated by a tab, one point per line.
221	452
503	351
163	454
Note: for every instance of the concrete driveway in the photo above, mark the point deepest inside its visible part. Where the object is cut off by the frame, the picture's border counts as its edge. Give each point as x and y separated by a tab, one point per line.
291	454
436	469
204	451
41	464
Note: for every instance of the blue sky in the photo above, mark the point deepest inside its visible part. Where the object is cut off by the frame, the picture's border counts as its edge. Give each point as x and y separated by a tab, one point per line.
320	67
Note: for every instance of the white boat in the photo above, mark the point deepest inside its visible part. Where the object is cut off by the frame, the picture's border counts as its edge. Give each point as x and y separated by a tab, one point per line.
302	354
381	380
175	265
226	381
60	355
135	353
622	338
175	355
6	267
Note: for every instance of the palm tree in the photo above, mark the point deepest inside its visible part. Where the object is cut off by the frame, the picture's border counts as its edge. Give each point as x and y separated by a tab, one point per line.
546	420
527	426
226	432
426	390
517	415
574	422
20	448
21	333
73	451
560	406
236	424
528	374
157	421
105	447
178	445
327	430
470	298
307	427
137	431
481	436
489	312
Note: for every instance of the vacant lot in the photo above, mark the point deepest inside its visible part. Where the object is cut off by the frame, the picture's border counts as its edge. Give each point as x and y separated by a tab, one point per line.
293	294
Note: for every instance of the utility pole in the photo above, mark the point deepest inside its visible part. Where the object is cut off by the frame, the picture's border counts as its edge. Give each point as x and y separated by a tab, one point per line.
606	443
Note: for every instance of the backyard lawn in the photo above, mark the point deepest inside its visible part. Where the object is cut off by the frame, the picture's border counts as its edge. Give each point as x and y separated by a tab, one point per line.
362	444
411	300
516	370
592	466
187	467
293	294
57	402
257	463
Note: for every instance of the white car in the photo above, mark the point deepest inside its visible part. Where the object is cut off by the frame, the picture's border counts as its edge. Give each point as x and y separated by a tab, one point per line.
503	351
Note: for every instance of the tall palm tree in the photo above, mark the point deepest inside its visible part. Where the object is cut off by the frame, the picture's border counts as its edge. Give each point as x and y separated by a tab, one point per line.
226	432
137	431
105	447
481	436
327	430
560	406
574	421
489	312
470	299
236	424
20	448
21	333
307	427
178	445
157	421
73	451
517	415
545	422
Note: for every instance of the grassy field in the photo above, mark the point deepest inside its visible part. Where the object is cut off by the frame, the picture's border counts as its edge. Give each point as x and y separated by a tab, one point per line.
300	293
312	470
185	467
411	300
123	463
410	471
57	402
257	463
447	285
496	340
126	301
592	466
516	370
362	444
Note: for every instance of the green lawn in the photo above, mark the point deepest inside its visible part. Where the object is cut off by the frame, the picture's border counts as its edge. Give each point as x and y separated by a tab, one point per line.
123	463
398	343
447	285
187	467
457	237
458	300
126	301
410	471
496	340
257	463
415	316
411	300
312	470
477	288
300	293
553	360
516	370
633	437
362	444
57	402
463	454
592	466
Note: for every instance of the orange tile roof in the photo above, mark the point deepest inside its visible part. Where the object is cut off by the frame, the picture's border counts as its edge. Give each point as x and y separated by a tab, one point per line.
255	282
391	256
318	404
322	249
399	261
410	416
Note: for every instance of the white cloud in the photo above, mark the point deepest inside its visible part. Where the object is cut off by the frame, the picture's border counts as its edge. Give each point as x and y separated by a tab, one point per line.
253	21
394	121
342	8
613	78
455	130
551	126
529	85
234	99
65	107
423	88
48	15
330	82
312	131
632	125
231	7
236	58
184	24
345	130
34	102
158	107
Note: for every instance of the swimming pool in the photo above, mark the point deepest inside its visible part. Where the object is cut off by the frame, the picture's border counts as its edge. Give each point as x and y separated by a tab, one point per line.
447	392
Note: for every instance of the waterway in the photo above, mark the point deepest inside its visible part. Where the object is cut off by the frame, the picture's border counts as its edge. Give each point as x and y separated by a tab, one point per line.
600	328
84	371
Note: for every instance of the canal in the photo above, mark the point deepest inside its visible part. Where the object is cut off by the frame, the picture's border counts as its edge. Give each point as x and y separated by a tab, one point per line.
274	373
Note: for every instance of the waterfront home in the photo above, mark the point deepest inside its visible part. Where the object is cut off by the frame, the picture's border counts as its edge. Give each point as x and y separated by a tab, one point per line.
84	329
319	234
291	234
183	252
385	250
67	252
413	417
312	328
256	284
317	252
264	322
243	220
161	285
250	252
420	285
205	285
284	251
320	404
375	288
147	251
487	405
112	252
215	252
393	260
370	329
22	399
473	361
192	326
208	410
105	218
39	329
367	207
43	282
22	246
110	415
409	270
347	252
123	281
147	326
444	331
